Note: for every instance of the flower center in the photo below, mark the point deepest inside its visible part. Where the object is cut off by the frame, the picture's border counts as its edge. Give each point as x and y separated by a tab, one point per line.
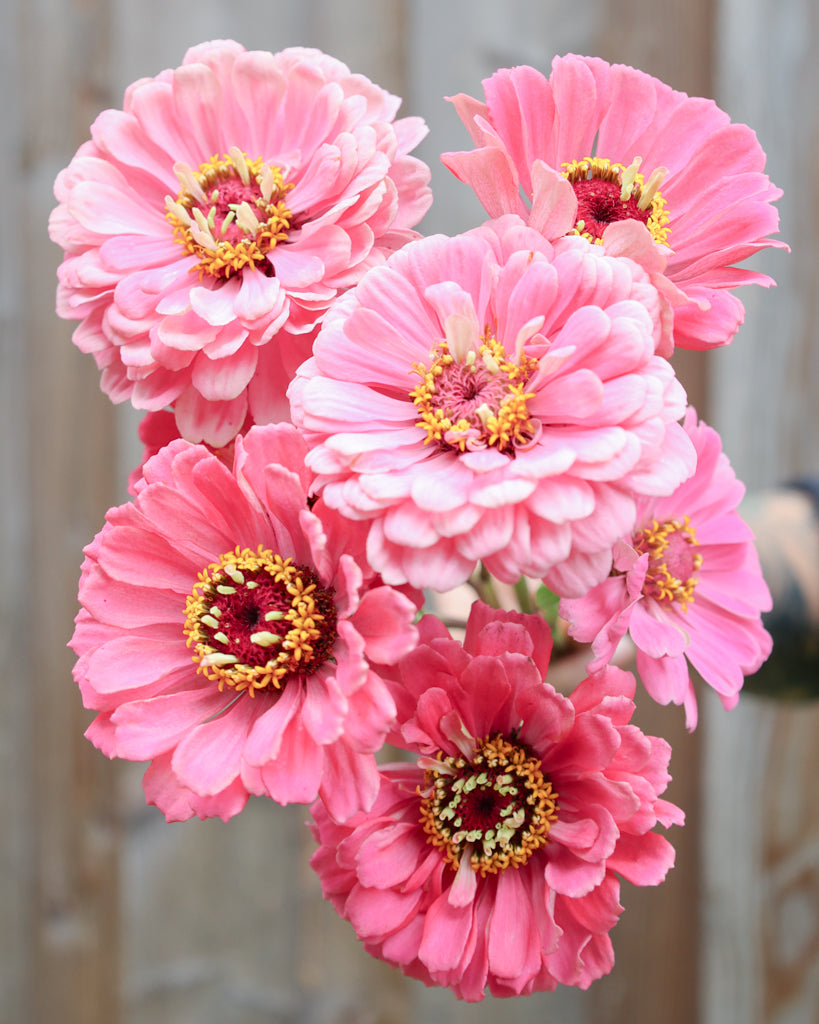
254	619
496	808
608	192
477	402
672	561
230	213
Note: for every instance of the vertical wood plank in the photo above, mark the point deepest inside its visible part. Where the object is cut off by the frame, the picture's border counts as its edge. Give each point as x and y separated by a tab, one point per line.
16	794
635	32
73	956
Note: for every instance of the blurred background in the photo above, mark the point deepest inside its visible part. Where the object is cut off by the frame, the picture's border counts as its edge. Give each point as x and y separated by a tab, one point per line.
110	916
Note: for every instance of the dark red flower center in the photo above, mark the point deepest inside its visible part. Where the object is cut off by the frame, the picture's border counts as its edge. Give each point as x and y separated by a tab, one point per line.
254	619
608	192
496	808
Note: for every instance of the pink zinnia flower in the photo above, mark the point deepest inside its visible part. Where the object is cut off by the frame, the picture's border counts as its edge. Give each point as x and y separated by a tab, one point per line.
607	151
687	586
493	860
227	632
231	197
493	396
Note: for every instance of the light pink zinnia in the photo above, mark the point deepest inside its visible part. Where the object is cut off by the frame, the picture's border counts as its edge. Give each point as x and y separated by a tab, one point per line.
493	396
231	197
227	632
493	860
687	587
602	149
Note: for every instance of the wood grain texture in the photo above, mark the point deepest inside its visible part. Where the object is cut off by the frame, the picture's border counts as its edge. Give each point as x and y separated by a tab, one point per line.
16	795
72	926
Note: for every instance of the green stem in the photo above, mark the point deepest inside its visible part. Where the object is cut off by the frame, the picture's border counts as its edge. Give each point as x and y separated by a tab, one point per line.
523	596
484	586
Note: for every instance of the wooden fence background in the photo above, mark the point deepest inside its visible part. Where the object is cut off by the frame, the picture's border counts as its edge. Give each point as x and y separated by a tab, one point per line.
109	915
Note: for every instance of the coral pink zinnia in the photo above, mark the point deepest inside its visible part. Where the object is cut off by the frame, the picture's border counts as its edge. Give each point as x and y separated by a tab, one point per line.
602	149
493	396
231	197
687	585
493	860
226	634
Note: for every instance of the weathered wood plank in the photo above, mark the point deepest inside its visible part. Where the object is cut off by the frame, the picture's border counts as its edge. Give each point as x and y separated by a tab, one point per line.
74	924
16	795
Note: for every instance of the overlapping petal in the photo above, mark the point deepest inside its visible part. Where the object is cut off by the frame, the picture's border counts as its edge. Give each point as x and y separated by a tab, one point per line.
212	741
167	328
710	617
717	197
597	428
544	921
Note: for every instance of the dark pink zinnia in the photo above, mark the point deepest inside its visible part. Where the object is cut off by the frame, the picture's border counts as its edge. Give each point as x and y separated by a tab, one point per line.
493	860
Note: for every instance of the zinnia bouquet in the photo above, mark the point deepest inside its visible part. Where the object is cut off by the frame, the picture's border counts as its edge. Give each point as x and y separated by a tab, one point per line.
344	418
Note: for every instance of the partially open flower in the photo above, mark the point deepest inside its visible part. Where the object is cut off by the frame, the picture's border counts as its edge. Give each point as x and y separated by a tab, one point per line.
686	586
228	634
612	154
230	198
492	861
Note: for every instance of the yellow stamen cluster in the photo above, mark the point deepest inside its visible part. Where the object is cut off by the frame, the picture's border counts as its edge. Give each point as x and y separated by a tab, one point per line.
304	637
262	223
660	583
646	194
502	780
502	427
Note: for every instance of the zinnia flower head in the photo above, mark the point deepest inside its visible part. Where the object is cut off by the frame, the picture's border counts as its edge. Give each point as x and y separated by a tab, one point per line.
228	632
687	587
493	396
493	861
230	198
609	152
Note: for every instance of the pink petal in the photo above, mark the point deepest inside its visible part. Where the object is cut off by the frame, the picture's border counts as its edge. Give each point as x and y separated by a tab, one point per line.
208	759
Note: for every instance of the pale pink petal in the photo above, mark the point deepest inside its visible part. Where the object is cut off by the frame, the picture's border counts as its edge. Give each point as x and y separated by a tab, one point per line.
600	404
136	255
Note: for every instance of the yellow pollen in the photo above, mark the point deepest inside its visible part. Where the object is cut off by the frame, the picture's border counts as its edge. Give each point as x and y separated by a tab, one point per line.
227	628
449	387
633	186
225	236
670	542
497	808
